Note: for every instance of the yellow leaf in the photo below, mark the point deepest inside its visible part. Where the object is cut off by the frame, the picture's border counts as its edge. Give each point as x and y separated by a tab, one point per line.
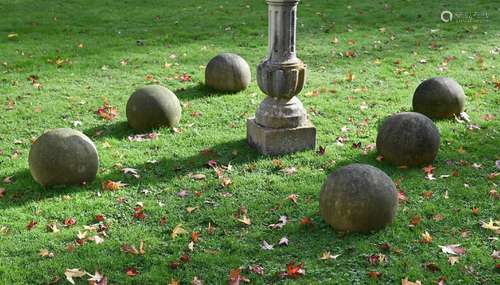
426	238
73	273
327	255
245	220
178	230
406	282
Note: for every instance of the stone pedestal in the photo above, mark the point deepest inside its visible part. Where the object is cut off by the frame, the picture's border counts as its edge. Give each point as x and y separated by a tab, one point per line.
281	124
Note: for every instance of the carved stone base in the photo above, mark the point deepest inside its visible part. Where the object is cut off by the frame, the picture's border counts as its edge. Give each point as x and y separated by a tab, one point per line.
280	141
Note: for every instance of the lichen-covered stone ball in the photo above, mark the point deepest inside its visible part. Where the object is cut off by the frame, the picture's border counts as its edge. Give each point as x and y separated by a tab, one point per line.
439	98
151	107
358	198
228	72
63	157
408	139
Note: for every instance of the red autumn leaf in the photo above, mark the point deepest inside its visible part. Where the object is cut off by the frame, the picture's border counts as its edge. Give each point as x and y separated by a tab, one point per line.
293	198
294	271
306	221
195	236
31	225
100	217
139	213
235	277
415	221
107	111
402	197
428	169
68	222
112	185
131	271
185	77
322	150
374	274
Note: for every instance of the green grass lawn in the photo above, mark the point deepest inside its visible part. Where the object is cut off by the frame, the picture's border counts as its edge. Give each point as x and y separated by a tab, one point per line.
83	53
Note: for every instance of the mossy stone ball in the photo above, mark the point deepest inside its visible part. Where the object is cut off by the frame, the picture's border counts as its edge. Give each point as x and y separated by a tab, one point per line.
151	107
358	198
228	72
63	157
439	98
408	139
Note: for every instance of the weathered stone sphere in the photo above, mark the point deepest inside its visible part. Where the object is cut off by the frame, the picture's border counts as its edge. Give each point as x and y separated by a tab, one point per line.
358	198
63	157
408	139
227	72
439	98
153	106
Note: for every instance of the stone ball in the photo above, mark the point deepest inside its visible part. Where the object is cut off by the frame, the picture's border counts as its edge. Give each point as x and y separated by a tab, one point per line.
153	106
63	157
358	198
439	98
408	139
228	72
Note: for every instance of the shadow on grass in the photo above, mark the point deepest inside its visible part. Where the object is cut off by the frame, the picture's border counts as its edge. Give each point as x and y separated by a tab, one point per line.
234	152
117	130
25	190
199	91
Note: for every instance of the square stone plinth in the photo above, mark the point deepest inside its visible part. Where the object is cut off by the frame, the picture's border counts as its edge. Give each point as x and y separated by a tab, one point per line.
280	141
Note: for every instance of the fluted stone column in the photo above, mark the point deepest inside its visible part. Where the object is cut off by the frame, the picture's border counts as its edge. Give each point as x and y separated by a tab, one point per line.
281	124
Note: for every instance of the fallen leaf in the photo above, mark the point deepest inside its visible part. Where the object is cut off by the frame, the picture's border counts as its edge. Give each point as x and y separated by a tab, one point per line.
46	253
453	249
491	225
415	221
112	185
374	274
73	273
306	221
266	246
426	238
327	256
283	241
192	209
131	272
31	225
178	230
376	259
245	220
197	176
235	277
453	259
97	279
294	271
432	267
293	198
107	111
143	137
289	170
257	269
280	224
406	282
132	172
68	222
52	228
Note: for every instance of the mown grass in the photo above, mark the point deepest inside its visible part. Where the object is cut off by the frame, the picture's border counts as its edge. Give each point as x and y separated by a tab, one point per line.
397	44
